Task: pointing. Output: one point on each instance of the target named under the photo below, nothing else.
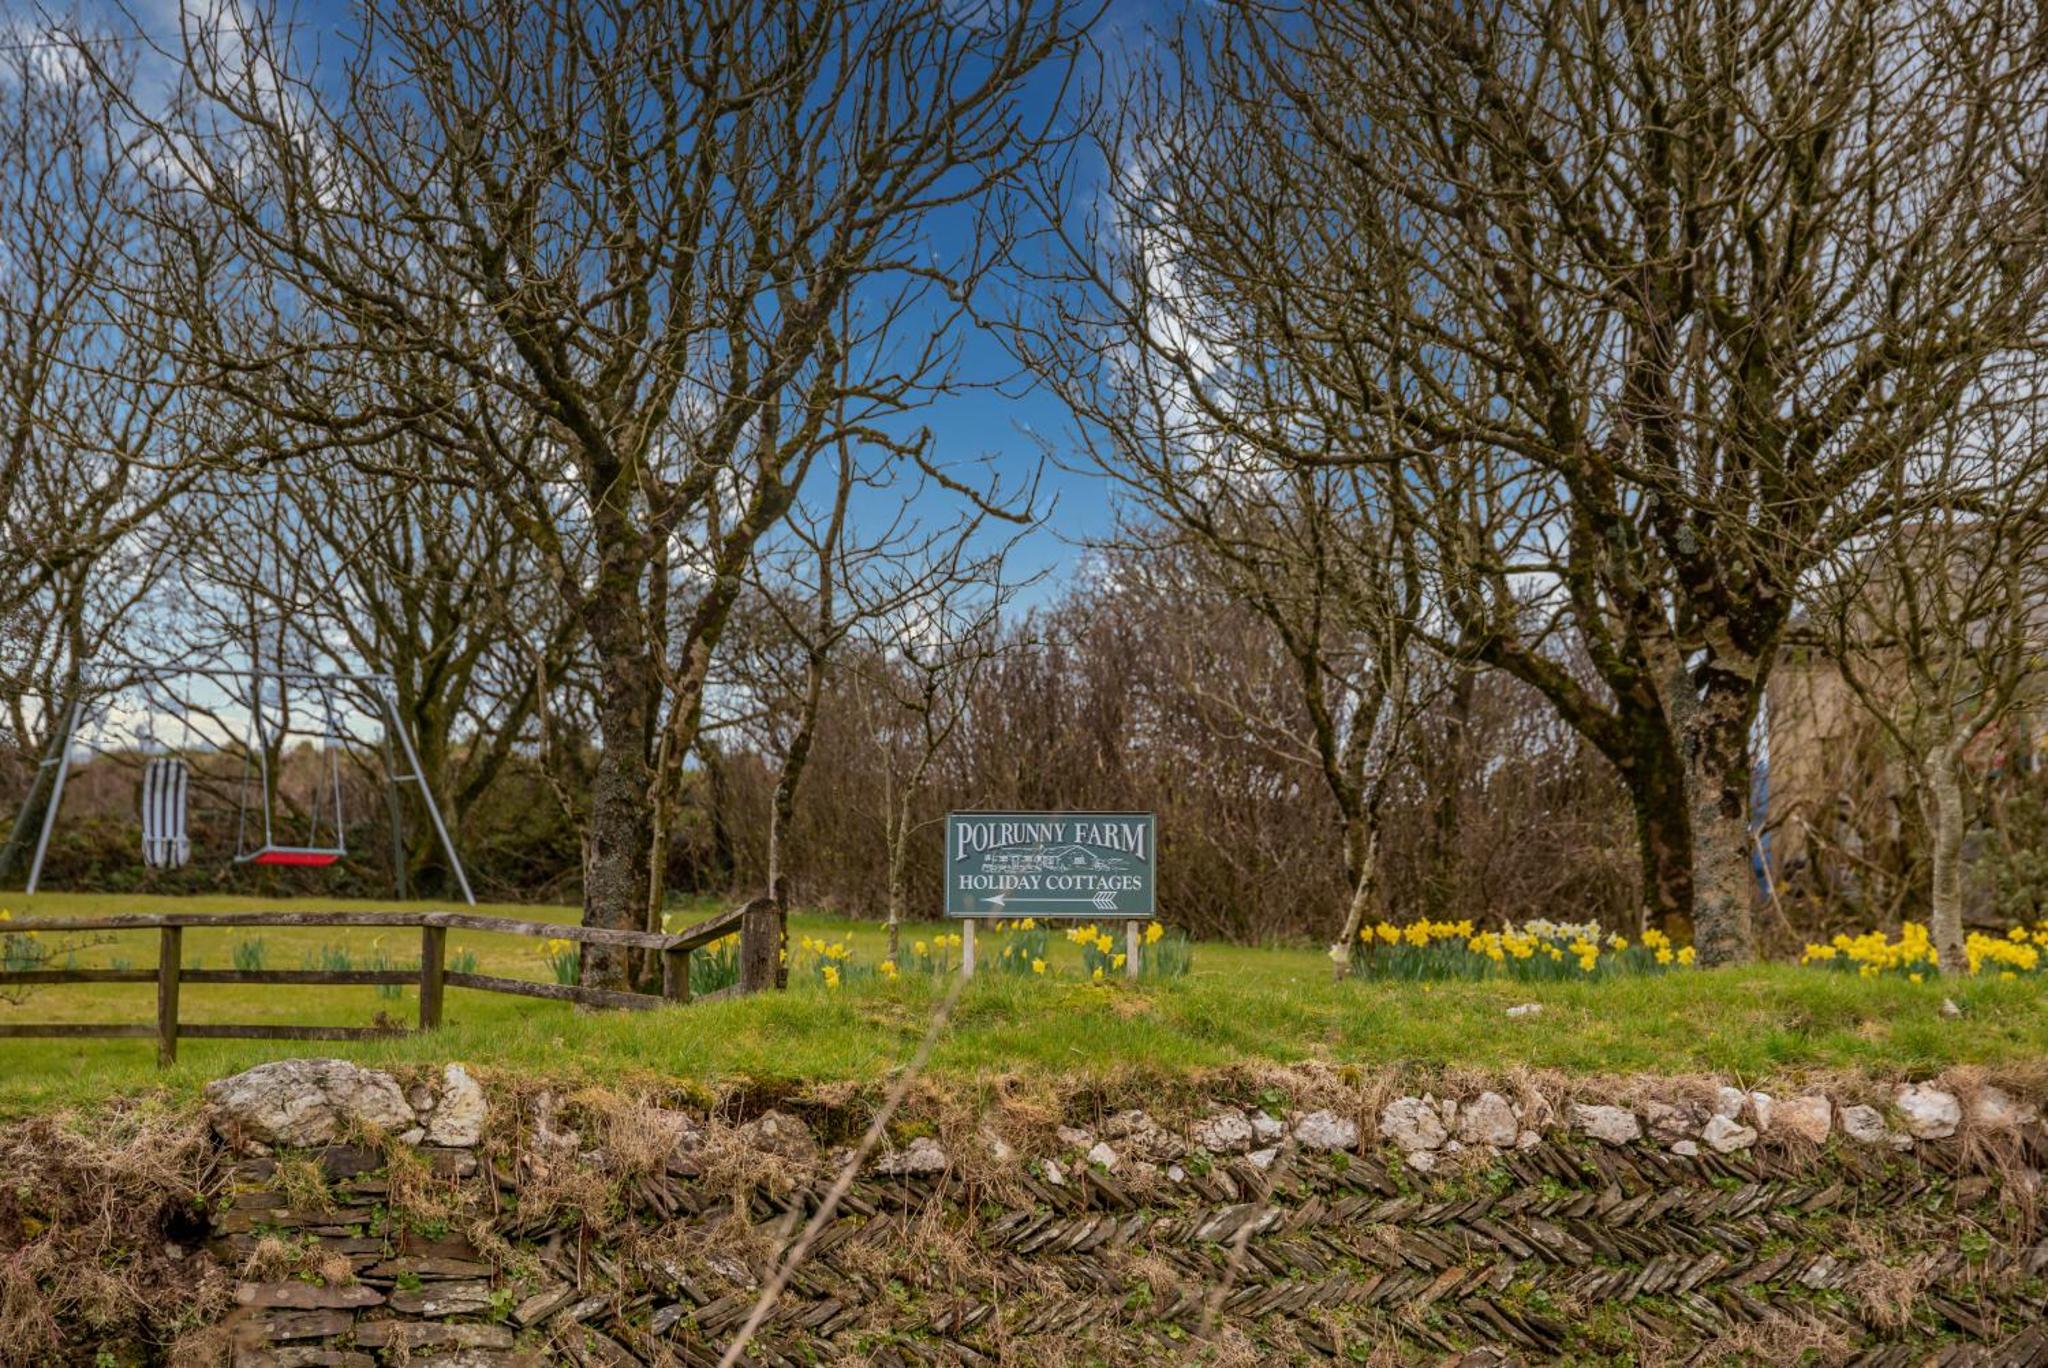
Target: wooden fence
(759, 925)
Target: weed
(249, 954)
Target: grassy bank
(1237, 1006)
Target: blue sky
(1015, 426)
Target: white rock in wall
(1615, 1125)
(1930, 1113)
(1674, 1120)
(1227, 1132)
(301, 1102)
(1488, 1119)
(1322, 1130)
(1994, 1109)
(1724, 1136)
(1141, 1137)
(1413, 1124)
(1865, 1125)
(1809, 1117)
(456, 1119)
(920, 1158)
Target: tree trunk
(899, 879)
(782, 810)
(1361, 857)
(1446, 860)
(615, 881)
(1946, 919)
(1656, 785)
(1724, 885)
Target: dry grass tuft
(99, 1228)
(1779, 1338)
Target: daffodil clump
(1912, 954)
(1102, 954)
(1022, 947)
(831, 962)
(939, 955)
(564, 958)
(1537, 949)
(1023, 943)
(715, 966)
(21, 951)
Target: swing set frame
(379, 687)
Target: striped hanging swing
(166, 843)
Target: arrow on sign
(1105, 900)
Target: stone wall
(1301, 1220)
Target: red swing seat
(303, 859)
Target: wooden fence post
(1134, 946)
(675, 974)
(760, 945)
(170, 951)
(433, 974)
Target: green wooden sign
(1051, 864)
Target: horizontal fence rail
(759, 924)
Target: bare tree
(827, 585)
(667, 245)
(924, 663)
(1322, 558)
(322, 565)
(1937, 619)
(97, 421)
(1640, 297)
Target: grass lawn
(1237, 1006)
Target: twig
(847, 1172)
(1212, 1306)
